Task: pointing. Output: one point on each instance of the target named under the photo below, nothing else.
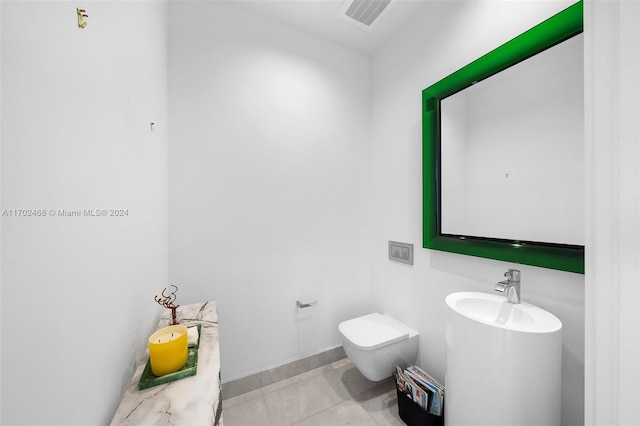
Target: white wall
(77, 292)
(612, 89)
(440, 40)
(268, 166)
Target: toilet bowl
(376, 344)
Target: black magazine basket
(413, 415)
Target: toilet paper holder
(306, 305)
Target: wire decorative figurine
(169, 303)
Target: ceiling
(318, 17)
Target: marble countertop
(193, 400)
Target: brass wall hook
(81, 15)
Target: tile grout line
(326, 409)
(264, 401)
(352, 398)
(292, 379)
(328, 368)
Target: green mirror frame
(554, 30)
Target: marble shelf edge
(188, 401)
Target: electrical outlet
(401, 252)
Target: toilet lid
(372, 331)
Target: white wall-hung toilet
(377, 343)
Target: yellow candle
(168, 350)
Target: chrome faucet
(511, 286)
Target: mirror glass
(512, 152)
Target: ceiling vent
(364, 14)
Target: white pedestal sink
(503, 362)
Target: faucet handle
(513, 275)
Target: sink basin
(504, 362)
(494, 310)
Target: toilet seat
(373, 331)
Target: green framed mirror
(440, 230)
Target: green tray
(148, 379)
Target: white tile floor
(332, 395)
